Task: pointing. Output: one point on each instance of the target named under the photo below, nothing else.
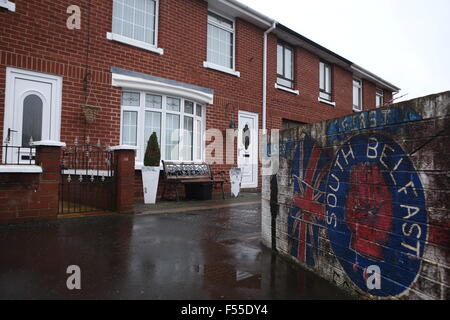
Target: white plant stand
(150, 180)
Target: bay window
(179, 124)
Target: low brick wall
(36, 196)
(363, 200)
(32, 196)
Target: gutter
(264, 106)
(247, 10)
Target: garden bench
(190, 173)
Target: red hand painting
(368, 212)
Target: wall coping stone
(20, 169)
(123, 147)
(48, 143)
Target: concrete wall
(366, 197)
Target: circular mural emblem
(375, 213)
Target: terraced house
(174, 67)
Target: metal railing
(13, 155)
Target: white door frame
(55, 104)
(255, 146)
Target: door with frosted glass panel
(28, 118)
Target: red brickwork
(124, 160)
(35, 38)
(25, 196)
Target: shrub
(152, 153)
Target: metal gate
(88, 181)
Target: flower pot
(150, 180)
(236, 180)
(90, 113)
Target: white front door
(32, 112)
(248, 148)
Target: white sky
(405, 42)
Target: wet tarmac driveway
(213, 254)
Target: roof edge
(269, 21)
(315, 44)
(236, 5)
(374, 77)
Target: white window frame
(11, 6)
(136, 43)
(381, 95)
(326, 66)
(141, 126)
(360, 87)
(210, 65)
(282, 76)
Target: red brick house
(163, 65)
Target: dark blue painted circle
(404, 245)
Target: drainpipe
(264, 124)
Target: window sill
(216, 67)
(356, 110)
(327, 102)
(11, 6)
(296, 92)
(20, 169)
(134, 43)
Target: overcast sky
(405, 42)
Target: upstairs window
(325, 81)
(135, 21)
(357, 95)
(379, 99)
(220, 41)
(285, 66)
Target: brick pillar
(48, 157)
(124, 157)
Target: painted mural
(308, 172)
(364, 200)
(369, 198)
(376, 213)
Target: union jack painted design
(309, 168)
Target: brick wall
(35, 38)
(364, 198)
(36, 196)
(30, 196)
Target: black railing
(13, 155)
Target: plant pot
(236, 180)
(150, 180)
(90, 113)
